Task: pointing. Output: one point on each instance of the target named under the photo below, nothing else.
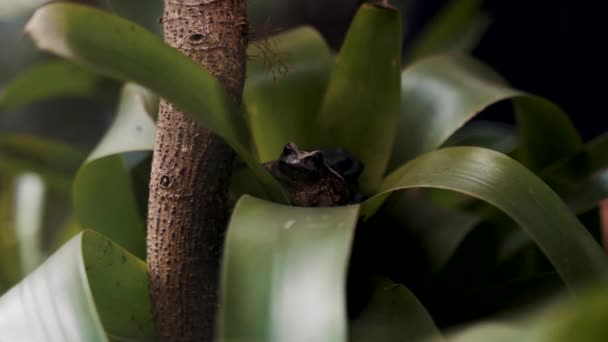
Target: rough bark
(191, 170)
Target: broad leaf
(393, 313)
(120, 49)
(441, 94)
(89, 290)
(49, 80)
(361, 106)
(457, 28)
(284, 274)
(507, 185)
(105, 198)
(285, 84)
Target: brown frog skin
(308, 180)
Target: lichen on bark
(190, 176)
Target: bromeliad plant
(286, 269)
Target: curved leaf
(120, 49)
(547, 134)
(105, 198)
(438, 230)
(284, 89)
(582, 180)
(487, 134)
(49, 80)
(507, 185)
(361, 106)
(393, 314)
(89, 290)
(440, 94)
(55, 162)
(284, 274)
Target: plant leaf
(505, 184)
(361, 106)
(440, 94)
(284, 89)
(55, 162)
(547, 134)
(49, 80)
(105, 198)
(120, 49)
(490, 331)
(457, 28)
(439, 230)
(487, 134)
(393, 314)
(89, 290)
(284, 275)
(580, 318)
(10, 268)
(582, 180)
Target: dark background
(552, 48)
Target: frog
(310, 180)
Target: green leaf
(284, 275)
(582, 180)
(510, 187)
(120, 49)
(105, 198)
(490, 331)
(89, 290)
(10, 267)
(286, 81)
(547, 134)
(49, 80)
(457, 28)
(439, 230)
(55, 162)
(492, 135)
(580, 318)
(440, 94)
(361, 106)
(393, 314)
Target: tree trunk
(190, 176)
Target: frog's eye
(290, 149)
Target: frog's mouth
(293, 167)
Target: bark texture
(190, 176)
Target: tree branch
(191, 171)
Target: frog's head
(299, 164)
